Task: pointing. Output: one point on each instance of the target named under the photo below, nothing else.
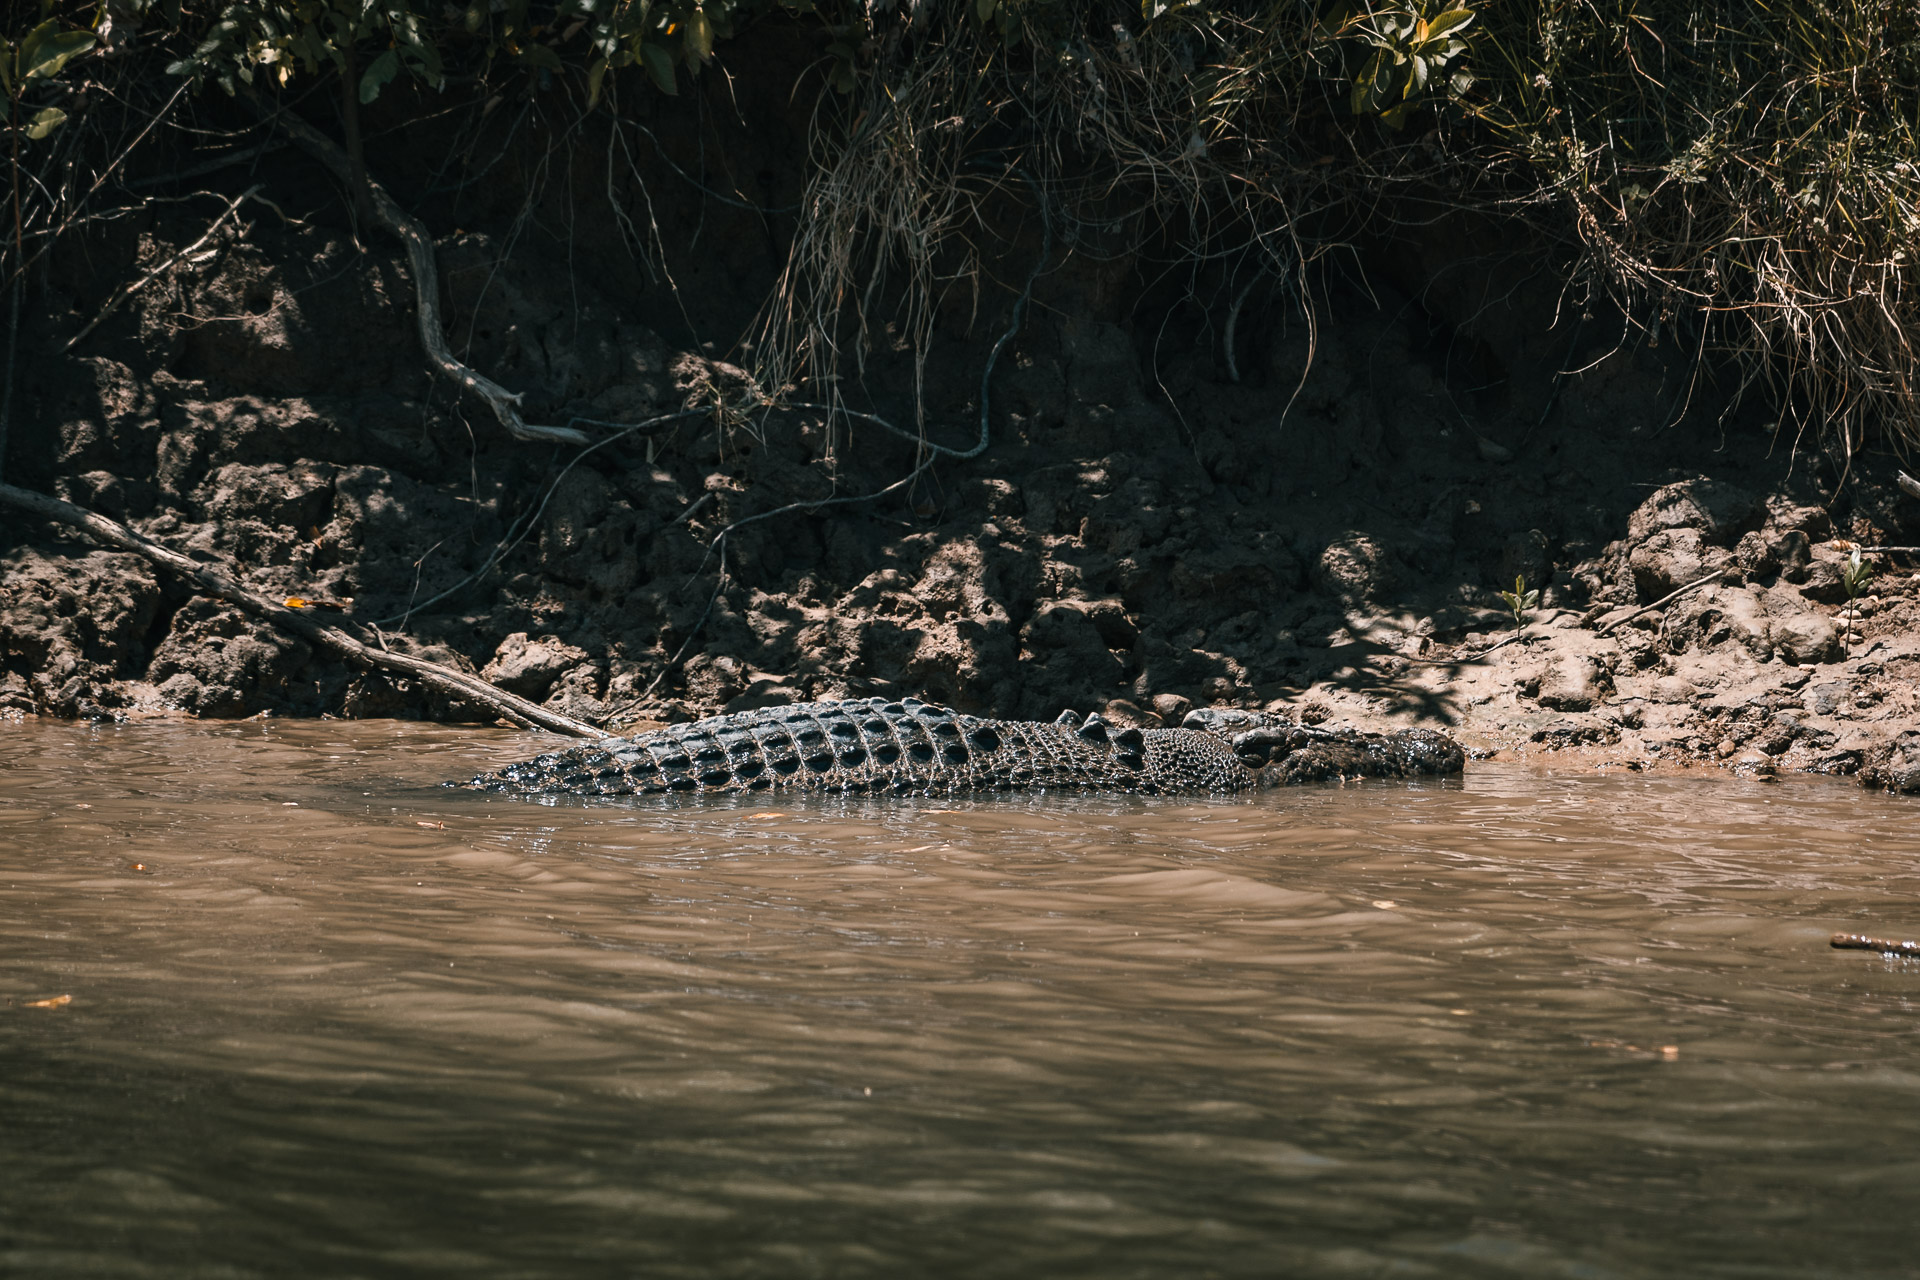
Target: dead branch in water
(455, 684)
(426, 278)
(1886, 946)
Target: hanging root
(426, 282)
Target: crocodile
(909, 747)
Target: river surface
(329, 1019)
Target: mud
(1319, 525)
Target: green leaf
(700, 35)
(595, 74)
(1363, 84)
(983, 9)
(379, 72)
(42, 58)
(659, 64)
(45, 122)
(1448, 23)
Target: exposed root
(426, 283)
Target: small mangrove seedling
(1855, 577)
(1520, 600)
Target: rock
(1671, 558)
(1798, 631)
(1756, 555)
(1824, 579)
(1893, 766)
(1573, 683)
(1753, 764)
(1569, 732)
(1793, 552)
(1172, 708)
(1354, 568)
(1719, 512)
(530, 667)
(1825, 699)
(218, 662)
(1742, 615)
(1129, 715)
(1672, 690)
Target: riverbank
(1302, 494)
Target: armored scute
(914, 748)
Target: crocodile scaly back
(881, 747)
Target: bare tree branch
(455, 684)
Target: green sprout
(1855, 577)
(1520, 600)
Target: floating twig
(1886, 946)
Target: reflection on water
(328, 1019)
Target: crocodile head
(1253, 735)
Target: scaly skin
(914, 748)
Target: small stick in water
(1861, 942)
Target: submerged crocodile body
(915, 748)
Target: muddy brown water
(327, 1019)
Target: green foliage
(1747, 173)
(1521, 601)
(1856, 575)
(251, 41)
(38, 56)
(1413, 48)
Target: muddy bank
(1318, 519)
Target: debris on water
(1886, 946)
(1385, 904)
(1665, 1052)
(51, 1002)
(422, 822)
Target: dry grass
(1744, 172)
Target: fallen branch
(456, 684)
(126, 291)
(1669, 597)
(426, 280)
(1886, 946)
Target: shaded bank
(1303, 494)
